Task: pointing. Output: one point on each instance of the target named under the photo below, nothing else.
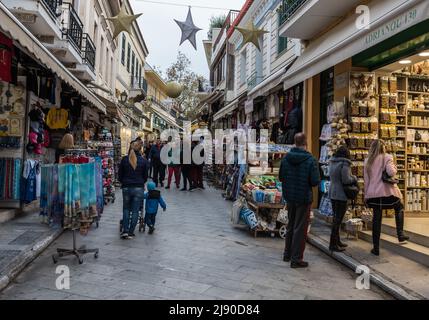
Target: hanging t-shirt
(6, 53)
(57, 118)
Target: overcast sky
(162, 34)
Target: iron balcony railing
(88, 51)
(72, 26)
(289, 8)
(53, 7)
(232, 15)
(157, 102)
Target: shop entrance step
(410, 250)
(410, 230)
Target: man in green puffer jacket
(299, 173)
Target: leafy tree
(181, 72)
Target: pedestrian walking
(193, 170)
(382, 192)
(173, 168)
(147, 149)
(133, 176)
(186, 171)
(299, 173)
(340, 176)
(153, 200)
(157, 165)
(199, 170)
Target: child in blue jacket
(153, 201)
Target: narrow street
(194, 254)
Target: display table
(274, 209)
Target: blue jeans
(149, 219)
(132, 202)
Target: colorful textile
(72, 194)
(10, 182)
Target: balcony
(138, 88)
(42, 17)
(232, 15)
(86, 70)
(72, 26)
(88, 51)
(68, 49)
(305, 19)
(253, 81)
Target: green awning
(404, 44)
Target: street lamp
(124, 97)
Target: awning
(345, 40)
(215, 95)
(229, 108)
(164, 115)
(114, 109)
(17, 31)
(270, 83)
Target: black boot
(399, 218)
(342, 244)
(334, 244)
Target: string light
(183, 5)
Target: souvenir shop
(384, 94)
(46, 156)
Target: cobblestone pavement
(194, 254)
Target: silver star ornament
(189, 30)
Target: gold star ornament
(251, 34)
(123, 22)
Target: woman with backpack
(341, 180)
(382, 192)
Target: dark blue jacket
(129, 177)
(299, 173)
(155, 152)
(153, 201)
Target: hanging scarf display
(10, 171)
(72, 194)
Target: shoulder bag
(351, 190)
(385, 176)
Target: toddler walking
(153, 201)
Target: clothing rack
(78, 253)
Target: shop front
(45, 112)
(368, 84)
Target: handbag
(387, 178)
(351, 190)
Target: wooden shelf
(418, 154)
(418, 127)
(417, 170)
(418, 110)
(402, 91)
(418, 142)
(409, 187)
(419, 93)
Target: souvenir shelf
(106, 151)
(413, 133)
(362, 115)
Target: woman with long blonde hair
(382, 192)
(133, 177)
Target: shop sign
(392, 27)
(248, 106)
(27, 18)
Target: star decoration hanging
(123, 22)
(189, 30)
(251, 34)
